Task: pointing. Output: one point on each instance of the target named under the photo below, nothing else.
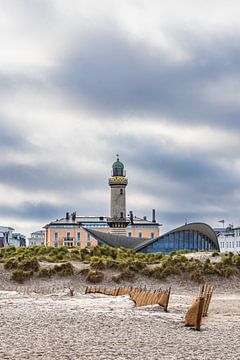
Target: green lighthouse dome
(118, 164)
(118, 168)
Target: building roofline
(199, 226)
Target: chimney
(131, 217)
(144, 218)
(153, 215)
(74, 216)
(67, 216)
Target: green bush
(11, 263)
(65, 269)
(45, 272)
(236, 260)
(29, 264)
(228, 271)
(157, 272)
(20, 275)
(227, 259)
(97, 263)
(147, 272)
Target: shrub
(137, 265)
(170, 270)
(11, 263)
(157, 272)
(228, 271)
(215, 253)
(20, 275)
(29, 264)
(147, 272)
(95, 276)
(65, 269)
(227, 259)
(97, 264)
(45, 272)
(111, 264)
(236, 260)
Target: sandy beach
(41, 320)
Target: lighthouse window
(121, 191)
(121, 215)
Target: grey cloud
(114, 75)
(46, 177)
(43, 212)
(205, 189)
(33, 211)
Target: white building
(5, 235)
(37, 238)
(229, 240)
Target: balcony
(68, 239)
(117, 222)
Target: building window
(55, 244)
(88, 239)
(68, 235)
(152, 235)
(68, 243)
(129, 234)
(140, 235)
(78, 236)
(56, 236)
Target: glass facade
(180, 240)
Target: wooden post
(199, 313)
(167, 300)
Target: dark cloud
(43, 212)
(47, 177)
(33, 211)
(116, 76)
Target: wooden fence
(199, 308)
(140, 296)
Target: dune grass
(124, 261)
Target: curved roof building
(192, 237)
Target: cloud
(82, 83)
(116, 75)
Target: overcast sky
(156, 81)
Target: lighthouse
(118, 183)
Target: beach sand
(40, 320)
